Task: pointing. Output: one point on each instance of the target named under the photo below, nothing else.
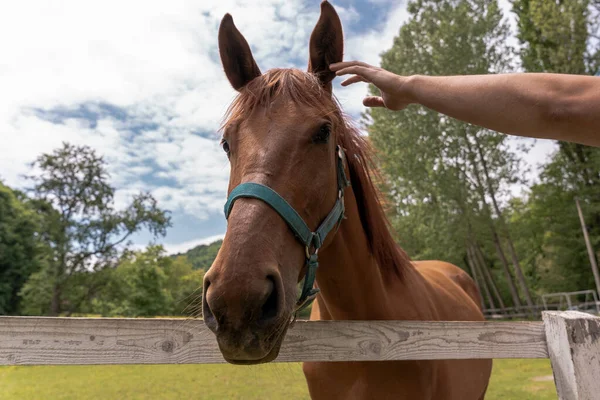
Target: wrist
(409, 86)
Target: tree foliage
(149, 283)
(445, 177)
(202, 256)
(86, 232)
(560, 37)
(22, 249)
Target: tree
(85, 230)
(561, 37)
(445, 177)
(149, 283)
(202, 256)
(558, 36)
(22, 250)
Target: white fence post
(573, 341)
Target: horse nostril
(207, 313)
(270, 308)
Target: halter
(311, 240)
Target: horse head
(281, 135)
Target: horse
(303, 193)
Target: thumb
(373, 101)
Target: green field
(512, 379)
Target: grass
(522, 380)
(511, 379)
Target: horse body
(443, 379)
(427, 290)
(286, 135)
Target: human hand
(394, 89)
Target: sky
(141, 82)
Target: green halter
(311, 240)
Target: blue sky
(141, 82)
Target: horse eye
(225, 146)
(322, 136)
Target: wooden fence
(570, 339)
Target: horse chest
(360, 381)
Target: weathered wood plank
(60, 341)
(574, 350)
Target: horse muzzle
(250, 322)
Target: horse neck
(352, 284)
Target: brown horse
(282, 131)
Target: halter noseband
(311, 240)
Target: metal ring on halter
(307, 252)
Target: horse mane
(304, 88)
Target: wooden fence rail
(25, 340)
(571, 339)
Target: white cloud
(378, 2)
(156, 60)
(368, 46)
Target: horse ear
(326, 44)
(236, 55)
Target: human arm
(539, 105)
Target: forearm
(552, 106)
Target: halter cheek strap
(311, 240)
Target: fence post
(573, 341)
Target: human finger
(355, 70)
(373, 101)
(353, 79)
(344, 64)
